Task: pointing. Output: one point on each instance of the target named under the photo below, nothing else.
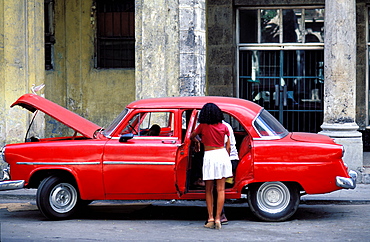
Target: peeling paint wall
(2, 81)
(96, 94)
(22, 56)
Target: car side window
(235, 124)
(185, 118)
(151, 124)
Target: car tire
(273, 201)
(57, 198)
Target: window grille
(115, 34)
(49, 33)
(281, 59)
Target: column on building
(21, 63)
(192, 63)
(22, 66)
(340, 80)
(170, 48)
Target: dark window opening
(115, 33)
(49, 33)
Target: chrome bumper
(347, 183)
(11, 185)
(6, 184)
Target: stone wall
(221, 55)
(362, 102)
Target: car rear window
(268, 126)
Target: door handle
(277, 95)
(168, 142)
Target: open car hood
(34, 102)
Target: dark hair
(210, 114)
(155, 130)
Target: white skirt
(216, 164)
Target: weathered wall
(170, 48)
(221, 76)
(2, 81)
(193, 45)
(100, 94)
(362, 87)
(157, 48)
(97, 94)
(22, 56)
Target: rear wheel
(273, 201)
(57, 198)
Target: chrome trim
(267, 138)
(2, 154)
(6, 174)
(137, 163)
(11, 185)
(262, 137)
(59, 163)
(151, 137)
(347, 183)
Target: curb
(359, 195)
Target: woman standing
(216, 161)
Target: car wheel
(57, 198)
(273, 201)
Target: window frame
(49, 34)
(269, 46)
(126, 60)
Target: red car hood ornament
(33, 102)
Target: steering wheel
(133, 129)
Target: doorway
(287, 83)
(281, 63)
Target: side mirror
(125, 137)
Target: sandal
(218, 225)
(210, 225)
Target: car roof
(226, 104)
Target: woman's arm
(194, 137)
(228, 147)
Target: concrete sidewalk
(361, 194)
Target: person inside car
(154, 130)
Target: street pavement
(361, 194)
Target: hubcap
(63, 198)
(273, 197)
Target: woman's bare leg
(220, 198)
(209, 199)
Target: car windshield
(269, 127)
(108, 131)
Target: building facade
(306, 62)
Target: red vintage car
(125, 161)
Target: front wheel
(57, 198)
(273, 201)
